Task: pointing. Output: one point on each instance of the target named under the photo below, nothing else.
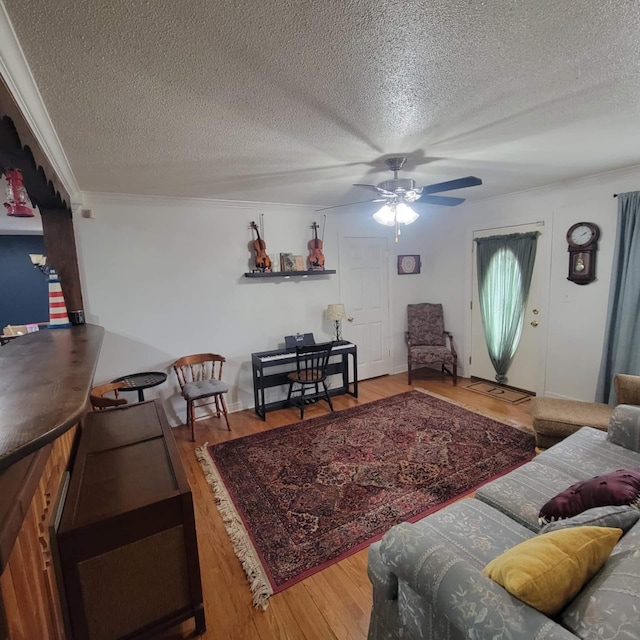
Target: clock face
(582, 234)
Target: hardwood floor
(332, 604)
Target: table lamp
(39, 262)
(336, 312)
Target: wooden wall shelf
(289, 274)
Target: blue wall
(24, 291)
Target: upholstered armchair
(427, 339)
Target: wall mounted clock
(408, 264)
(582, 239)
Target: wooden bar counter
(45, 379)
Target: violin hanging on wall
(263, 262)
(316, 257)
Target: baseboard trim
(560, 397)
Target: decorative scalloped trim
(242, 545)
(15, 71)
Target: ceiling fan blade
(450, 185)
(348, 204)
(372, 187)
(441, 200)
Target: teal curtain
(621, 353)
(505, 266)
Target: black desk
(262, 379)
(141, 381)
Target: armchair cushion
(431, 355)
(547, 571)
(203, 389)
(425, 324)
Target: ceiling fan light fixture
(385, 215)
(413, 195)
(405, 214)
(395, 213)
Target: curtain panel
(505, 267)
(621, 352)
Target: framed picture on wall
(408, 264)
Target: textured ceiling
(294, 100)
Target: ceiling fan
(398, 194)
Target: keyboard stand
(286, 358)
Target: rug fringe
(242, 545)
(487, 414)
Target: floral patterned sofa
(427, 577)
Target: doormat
(512, 396)
(301, 497)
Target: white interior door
(528, 365)
(364, 277)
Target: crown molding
(621, 172)
(172, 201)
(17, 75)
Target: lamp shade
(395, 213)
(37, 259)
(385, 215)
(405, 214)
(335, 312)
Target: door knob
(349, 319)
(534, 323)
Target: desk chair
(99, 399)
(311, 371)
(200, 376)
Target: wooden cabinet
(28, 583)
(126, 543)
(45, 379)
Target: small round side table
(141, 381)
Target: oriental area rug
(298, 498)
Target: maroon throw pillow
(620, 487)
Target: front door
(527, 368)
(365, 294)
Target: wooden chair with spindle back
(311, 371)
(200, 377)
(99, 400)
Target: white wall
(164, 277)
(576, 315)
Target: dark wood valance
(19, 149)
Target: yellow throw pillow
(547, 571)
